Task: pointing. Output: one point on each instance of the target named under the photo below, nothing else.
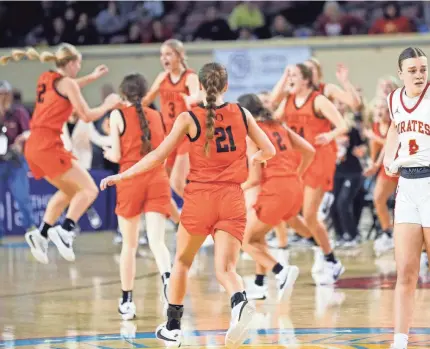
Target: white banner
(255, 70)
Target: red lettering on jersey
(420, 127)
(409, 126)
(427, 128)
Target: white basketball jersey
(411, 117)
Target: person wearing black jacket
(347, 183)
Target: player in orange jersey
(213, 200)
(313, 116)
(135, 131)
(58, 93)
(178, 88)
(281, 189)
(348, 95)
(385, 185)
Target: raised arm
(153, 91)
(158, 155)
(349, 94)
(95, 75)
(193, 85)
(71, 89)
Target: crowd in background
(117, 22)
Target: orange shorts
(148, 192)
(181, 149)
(209, 207)
(280, 199)
(47, 161)
(320, 173)
(383, 175)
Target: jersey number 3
(221, 135)
(41, 89)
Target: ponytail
(65, 54)
(211, 94)
(146, 132)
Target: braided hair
(134, 87)
(213, 77)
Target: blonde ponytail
(61, 57)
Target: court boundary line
(196, 333)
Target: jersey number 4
(221, 135)
(413, 147)
(41, 89)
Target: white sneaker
(127, 310)
(63, 239)
(117, 240)
(330, 274)
(257, 293)
(286, 279)
(38, 245)
(94, 218)
(383, 244)
(171, 338)
(393, 347)
(241, 316)
(318, 266)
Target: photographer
(14, 123)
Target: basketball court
(74, 305)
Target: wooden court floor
(74, 305)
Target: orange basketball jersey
(321, 87)
(304, 120)
(285, 161)
(52, 109)
(130, 139)
(377, 129)
(171, 100)
(226, 161)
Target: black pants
(346, 188)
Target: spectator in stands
(58, 35)
(85, 31)
(213, 27)
(110, 22)
(14, 122)
(333, 22)
(281, 28)
(246, 34)
(134, 34)
(392, 21)
(246, 15)
(160, 33)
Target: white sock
(400, 341)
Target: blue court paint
(336, 332)
(14, 245)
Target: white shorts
(413, 201)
